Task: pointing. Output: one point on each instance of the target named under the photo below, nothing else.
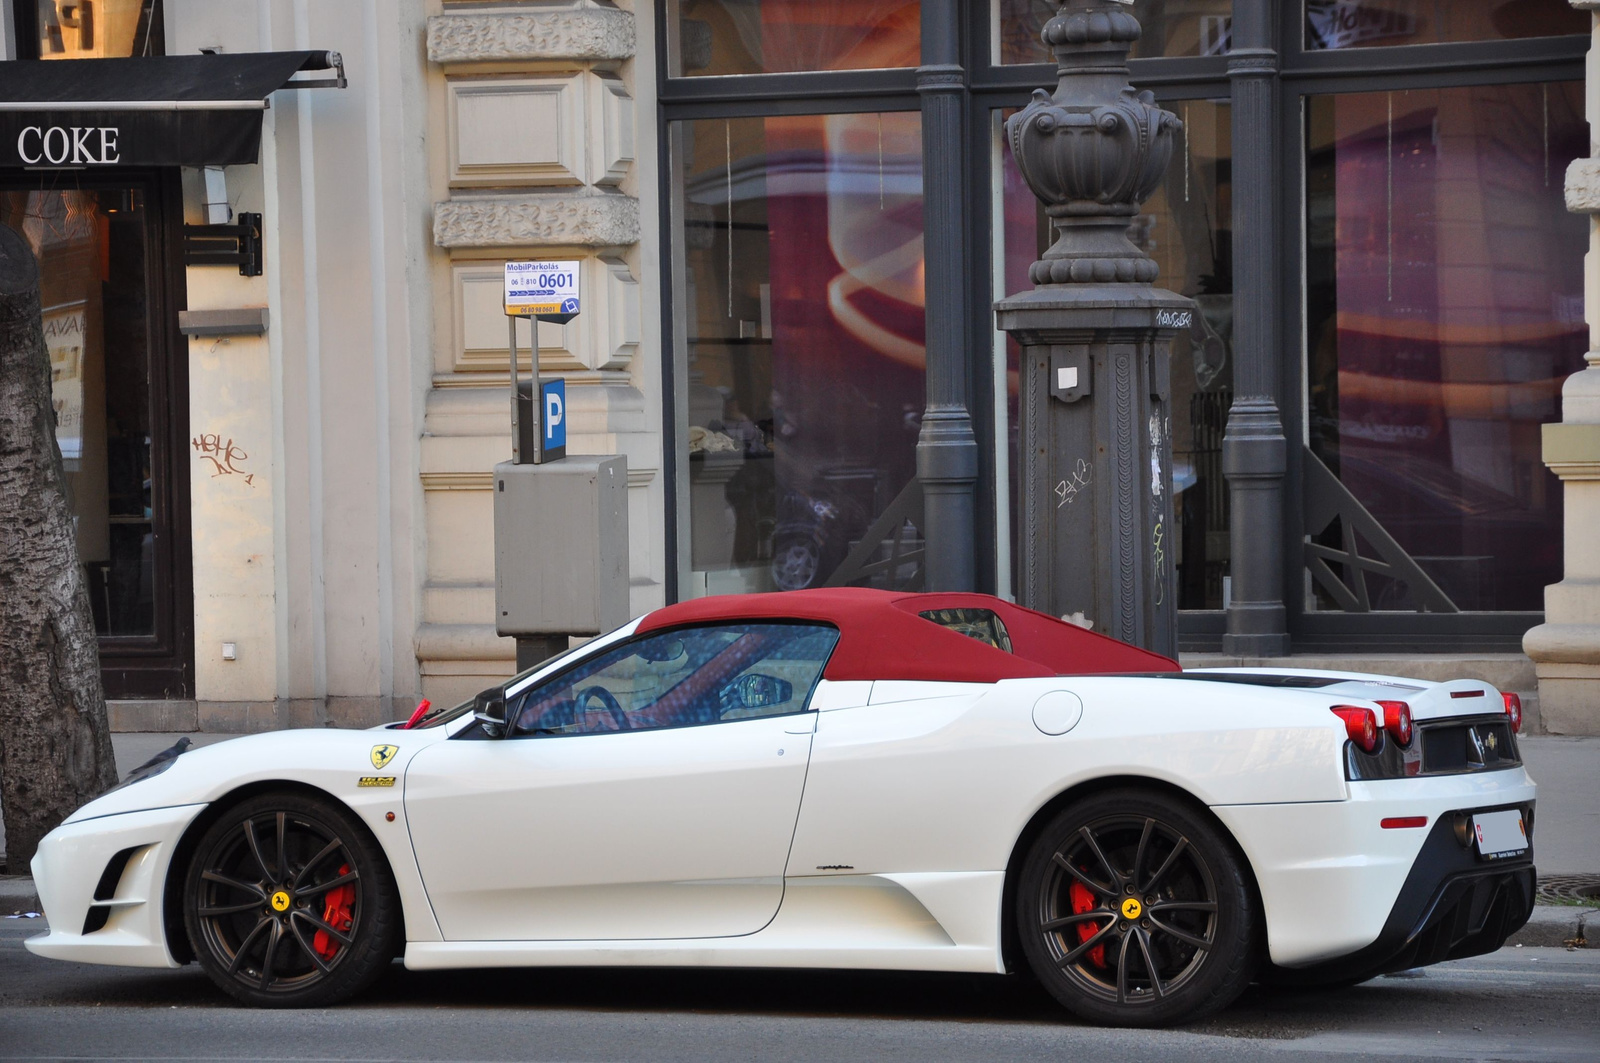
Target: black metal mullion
(808, 85)
(981, 271)
(1144, 73)
(1473, 57)
(1254, 451)
(947, 449)
(1323, 85)
(737, 108)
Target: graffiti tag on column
(1082, 477)
(226, 457)
(1160, 557)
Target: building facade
(793, 218)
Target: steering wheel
(608, 700)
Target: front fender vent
(106, 890)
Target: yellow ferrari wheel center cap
(1131, 908)
(280, 901)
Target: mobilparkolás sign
(544, 290)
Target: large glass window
(98, 29)
(1187, 227)
(92, 253)
(1171, 27)
(801, 294)
(784, 36)
(682, 678)
(1444, 308)
(1384, 23)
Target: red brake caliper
(336, 913)
(1083, 901)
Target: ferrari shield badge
(382, 755)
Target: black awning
(177, 110)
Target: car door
(648, 791)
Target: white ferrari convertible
(832, 779)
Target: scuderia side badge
(375, 780)
(382, 755)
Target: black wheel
(289, 903)
(1133, 910)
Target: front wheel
(289, 903)
(1133, 910)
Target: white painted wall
(312, 568)
(351, 560)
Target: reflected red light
(1402, 822)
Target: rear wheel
(1133, 910)
(289, 903)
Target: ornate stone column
(1096, 477)
(1566, 647)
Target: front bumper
(101, 916)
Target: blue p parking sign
(553, 397)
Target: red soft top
(882, 637)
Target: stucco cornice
(584, 33)
(538, 220)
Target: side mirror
(489, 709)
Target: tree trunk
(55, 743)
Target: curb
(1552, 926)
(18, 895)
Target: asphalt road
(1519, 1004)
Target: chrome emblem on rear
(1475, 755)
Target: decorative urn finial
(1094, 150)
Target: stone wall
(1566, 648)
(537, 140)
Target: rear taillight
(1397, 721)
(1514, 709)
(1360, 724)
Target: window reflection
(785, 36)
(803, 304)
(1171, 27)
(1187, 227)
(99, 29)
(91, 251)
(1444, 310)
(1382, 23)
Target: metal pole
(1254, 451)
(947, 449)
(516, 405)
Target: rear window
(981, 624)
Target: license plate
(1500, 834)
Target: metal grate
(1570, 888)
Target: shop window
(1187, 227)
(95, 326)
(799, 288)
(707, 37)
(1444, 309)
(1385, 23)
(95, 29)
(1171, 27)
